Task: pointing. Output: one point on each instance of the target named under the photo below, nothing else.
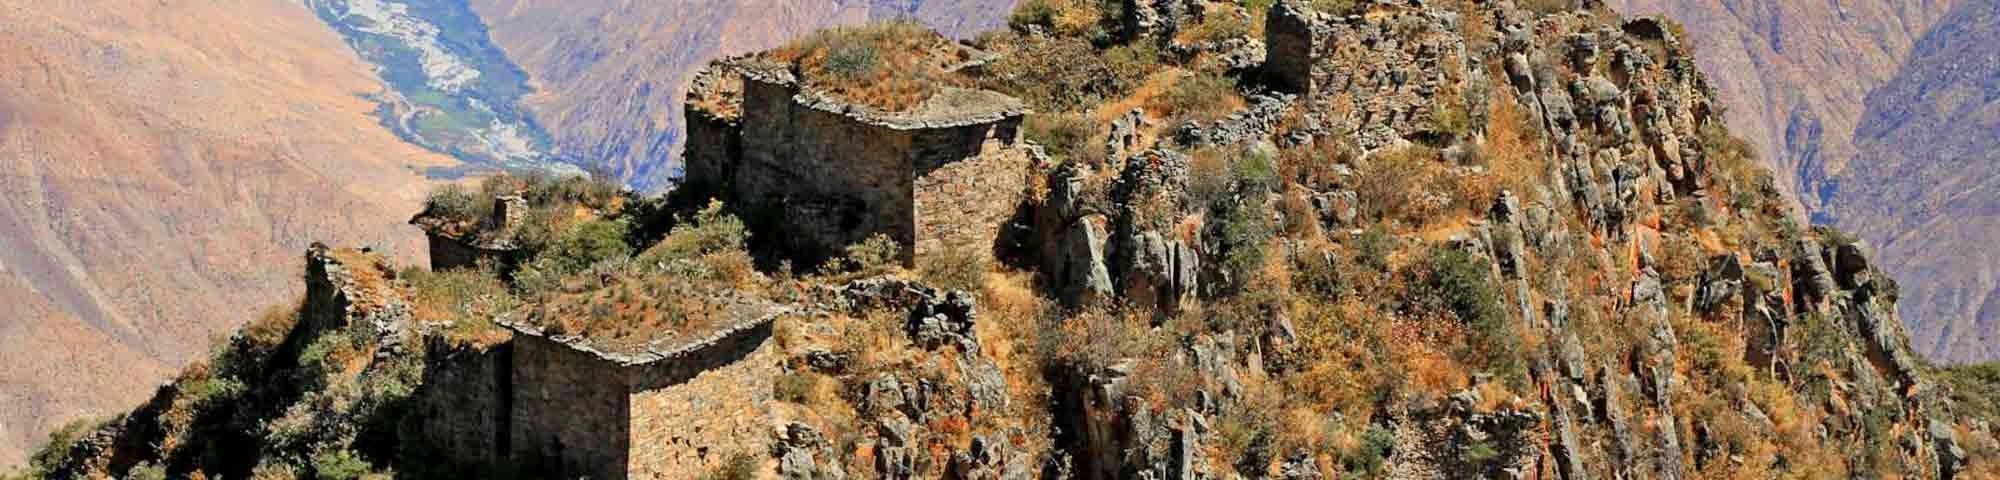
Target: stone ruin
(564, 405)
(1381, 74)
(455, 244)
(817, 173)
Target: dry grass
(1199, 97)
(892, 65)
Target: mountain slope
(162, 164)
(1794, 74)
(610, 74)
(1927, 188)
(1844, 102)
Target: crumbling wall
(570, 411)
(693, 410)
(348, 286)
(714, 142)
(448, 253)
(465, 403)
(1293, 34)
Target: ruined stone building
(565, 405)
(455, 243)
(818, 173)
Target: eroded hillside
(1925, 193)
(1182, 240)
(163, 164)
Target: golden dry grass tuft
(893, 65)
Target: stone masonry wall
(691, 414)
(1292, 32)
(465, 402)
(714, 145)
(449, 253)
(966, 204)
(815, 174)
(822, 180)
(570, 415)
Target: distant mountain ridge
(1927, 188)
(161, 165)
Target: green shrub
(1461, 284)
(1478, 452)
(1316, 273)
(710, 231)
(339, 464)
(853, 61)
(580, 247)
(1374, 247)
(1255, 173)
(877, 255)
(1242, 234)
(1068, 74)
(1033, 13)
(147, 471)
(1372, 453)
(452, 202)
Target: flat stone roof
(949, 107)
(751, 314)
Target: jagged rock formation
(1826, 93)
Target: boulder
(1085, 280)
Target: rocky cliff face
(159, 160)
(1819, 88)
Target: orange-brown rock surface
(161, 164)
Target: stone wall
(689, 414)
(1292, 33)
(815, 174)
(714, 128)
(466, 402)
(348, 286)
(817, 179)
(966, 204)
(449, 253)
(571, 411)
